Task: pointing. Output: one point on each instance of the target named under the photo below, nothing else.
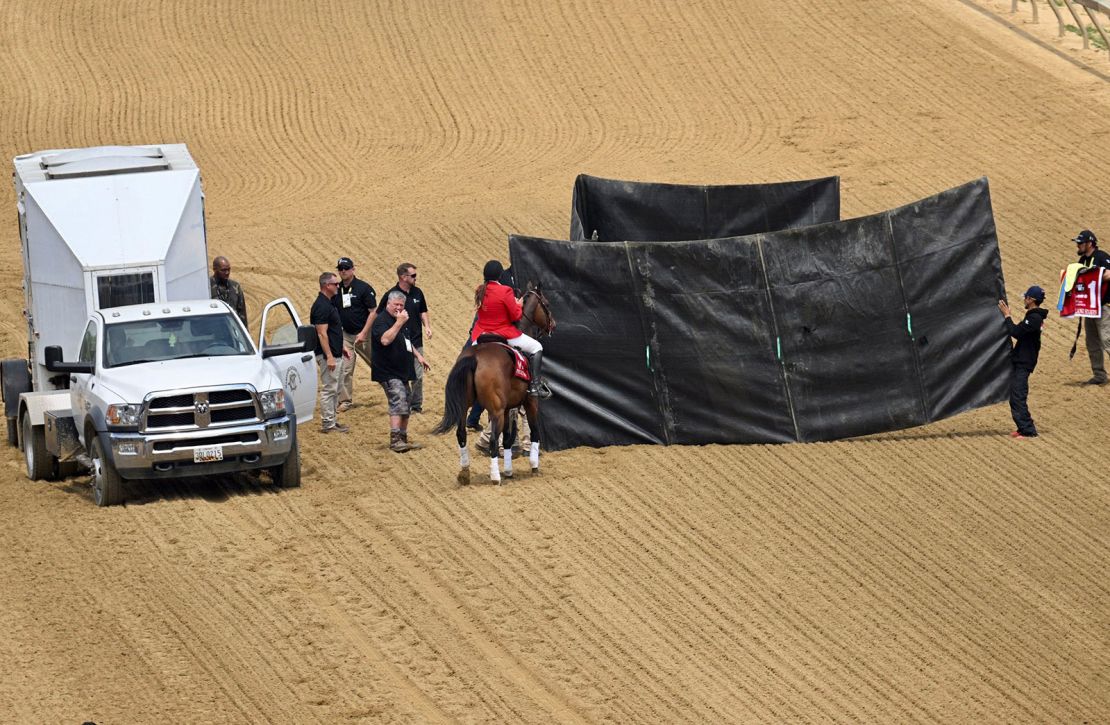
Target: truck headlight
(273, 403)
(123, 414)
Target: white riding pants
(527, 345)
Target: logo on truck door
(292, 379)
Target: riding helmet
(492, 271)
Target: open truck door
(282, 342)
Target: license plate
(208, 454)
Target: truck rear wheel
(13, 432)
(107, 484)
(40, 464)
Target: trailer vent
(105, 166)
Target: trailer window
(118, 290)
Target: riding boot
(536, 388)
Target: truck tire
(107, 484)
(288, 474)
(13, 433)
(40, 464)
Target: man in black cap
(418, 325)
(1023, 358)
(1097, 329)
(357, 304)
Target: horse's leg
(532, 411)
(496, 421)
(464, 454)
(509, 441)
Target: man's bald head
(221, 268)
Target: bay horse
(484, 373)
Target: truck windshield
(150, 340)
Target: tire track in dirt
(930, 575)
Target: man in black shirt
(357, 304)
(329, 351)
(1023, 358)
(392, 353)
(419, 324)
(1097, 329)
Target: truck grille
(201, 409)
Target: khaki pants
(329, 390)
(1098, 342)
(347, 379)
(417, 399)
(523, 433)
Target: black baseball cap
(1086, 236)
(345, 263)
(1036, 293)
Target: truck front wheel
(40, 464)
(288, 474)
(107, 485)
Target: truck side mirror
(54, 362)
(306, 335)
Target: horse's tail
(459, 382)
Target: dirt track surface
(945, 573)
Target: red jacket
(498, 312)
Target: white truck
(161, 382)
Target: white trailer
(121, 229)
(104, 227)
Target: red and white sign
(1082, 300)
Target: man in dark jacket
(1097, 329)
(1023, 358)
(223, 287)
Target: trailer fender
(15, 379)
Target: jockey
(498, 309)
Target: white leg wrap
(464, 457)
(508, 461)
(534, 455)
(494, 470)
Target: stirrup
(539, 389)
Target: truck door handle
(73, 378)
(306, 358)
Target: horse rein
(542, 302)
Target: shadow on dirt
(213, 489)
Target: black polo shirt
(324, 313)
(356, 311)
(416, 303)
(392, 361)
(1099, 259)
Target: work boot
(536, 388)
(405, 440)
(397, 442)
(1095, 381)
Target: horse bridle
(542, 302)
